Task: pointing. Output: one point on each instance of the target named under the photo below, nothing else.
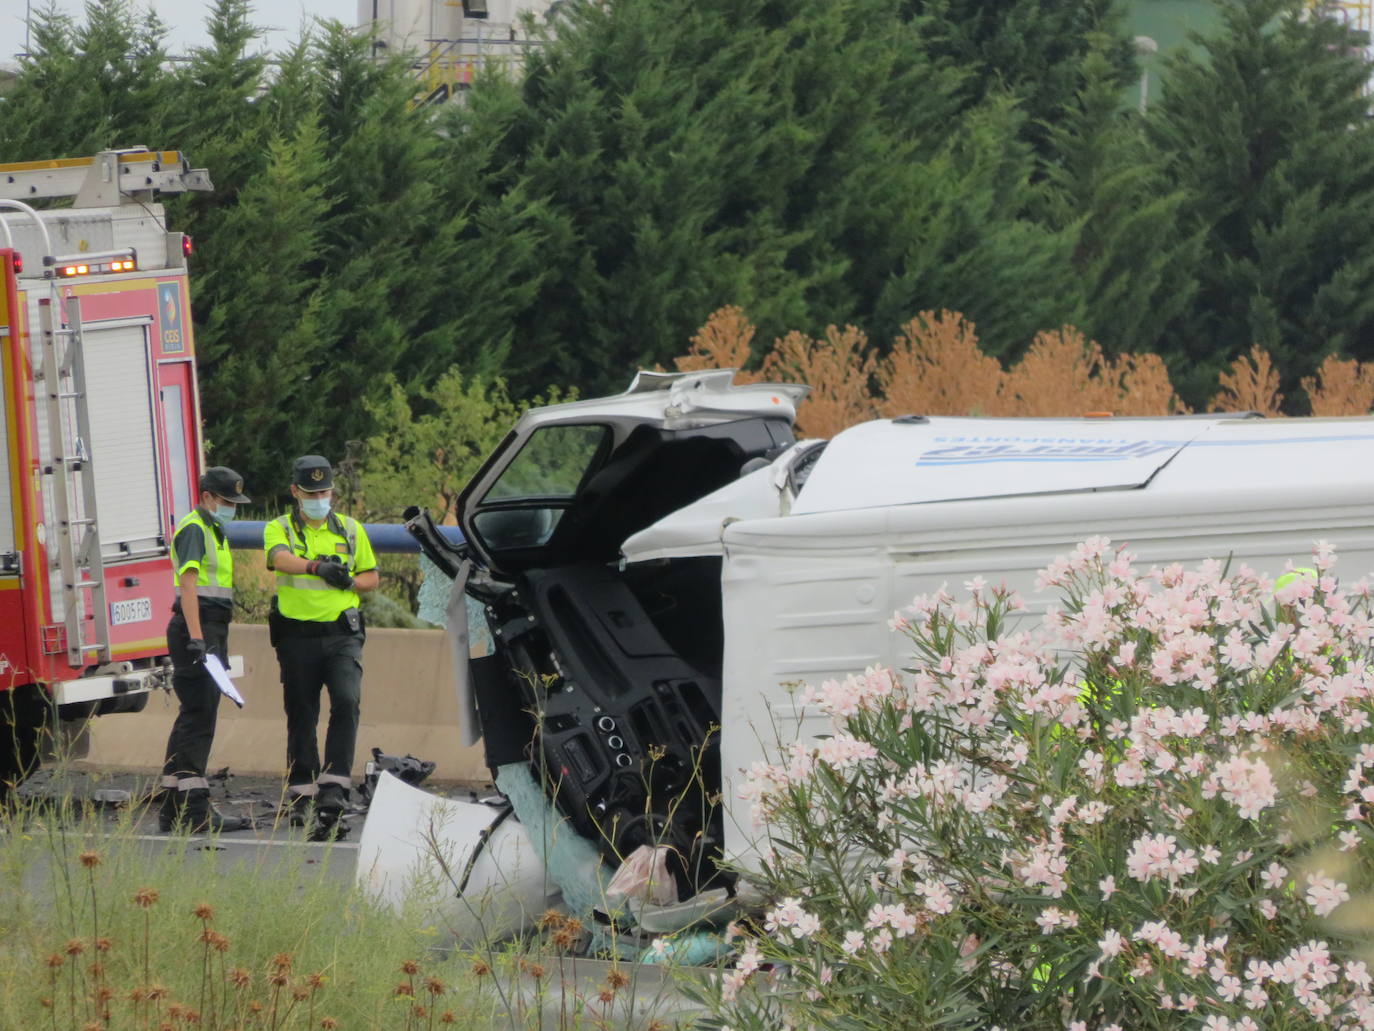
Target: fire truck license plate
(133, 610)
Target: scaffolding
(452, 41)
(1358, 17)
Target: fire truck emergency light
(17, 262)
(91, 264)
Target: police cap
(223, 482)
(312, 472)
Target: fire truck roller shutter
(124, 443)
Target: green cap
(312, 472)
(224, 482)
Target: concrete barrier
(408, 706)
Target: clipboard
(222, 681)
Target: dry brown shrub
(1252, 385)
(1143, 386)
(936, 368)
(1341, 387)
(1065, 374)
(722, 343)
(1059, 375)
(838, 369)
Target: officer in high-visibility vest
(323, 561)
(1292, 576)
(199, 627)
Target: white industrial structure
(1358, 17)
(451, 39)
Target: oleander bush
(1149, 807)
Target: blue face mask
(315, 508)
(224, 513)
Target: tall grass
(104, 928)
(101, 927)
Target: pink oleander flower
(939, 899)
(1151, 856)
(1273, 876)
(1111, 944)
(1248, 784)
(1324, 893)
(843, 750)
(1052, 918)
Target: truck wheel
(23, 716)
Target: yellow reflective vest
(305, 596)
(216, 567)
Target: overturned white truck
(659, 569)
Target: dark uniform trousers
(188, 746)
(310, 660)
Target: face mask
(224, 513)
(315, 508)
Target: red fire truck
(100, 439)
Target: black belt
(285, 626)
(208, 613)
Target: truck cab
(607, 677)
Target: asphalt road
(109, 796)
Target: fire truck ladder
(77, 548)
(109, 179)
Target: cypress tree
(87, 86)
(1031, 49)
(386, 238)
(806, 160)
(1136, 259)
(261, 343)
(1266, 129)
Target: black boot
(202, 817)
(329, 824)
(330, 802)
(170, 812)
(298, 810)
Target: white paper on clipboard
(221, 676)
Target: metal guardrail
(386, 538)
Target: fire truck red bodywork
(32, 642)
(100, 449)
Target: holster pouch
(353, 619)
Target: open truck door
(599, 704)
